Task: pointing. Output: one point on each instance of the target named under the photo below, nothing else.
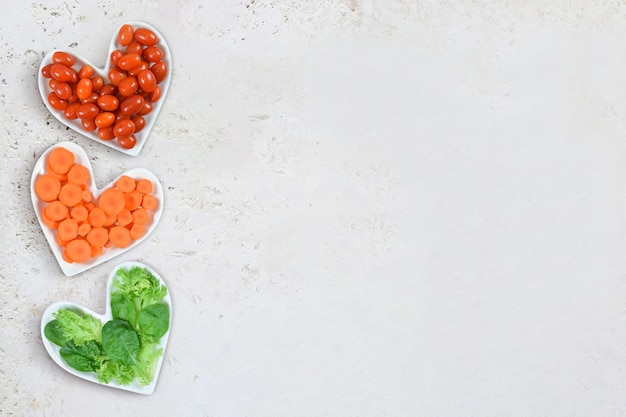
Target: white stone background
(373, 208)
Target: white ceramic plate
(71, 269)
(150, 118)
(53, 350)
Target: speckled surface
(373, 208)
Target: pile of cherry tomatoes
(114, 108)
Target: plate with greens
(123, 348)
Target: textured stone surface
(373, 208)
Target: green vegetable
(120, 341)
(54, 333)
(78, 326)
(81, 357)
(127, 346)
(154, 320)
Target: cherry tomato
(73, 98)
(60, 72)
(128, 86)
(93, 98)
(87, 111)
(116, 76)
(63, 58)
(108, 89)
(155, 94)
(85, 72)
(147, 80)
(106, 133)
(108, 102)
(70, 111)
(134, 48)
(88, 124)
(53, 83)
(127, 142)
(56, 102)
(116, 55)
(144, 65)
(96, 83)
(146, 109)
(45, 71)
(146, 37)
(139, 122)
(63, 90)
(105, 119)
(74, 75)
(159, 70)
(125, 35)
(131, 105)
(129, 61)
(84, 88)
(123, 128)
(152, 54)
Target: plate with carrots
(83, 225)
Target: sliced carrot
(50, 171)
(87, 196)
(68, 229)
(140, 216)
(52, 224)
(149, 202)
(96, 217)
(144, 186)
(61, 160)
(83, 229)
(70, 194)
(96, 251)
(61, 242)
(132, 200)
(137, 231)
(65, 258)
(119, 236)
(98, 236)
(89, 206)
(110, 219)
(79, 213)
(56, 211)
(78, 250)
(111, 201)
(47, 187)
(124, 218)
(125, 184)
(78, 174)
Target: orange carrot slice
(60, 160)
(47, 187)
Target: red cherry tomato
(116, 55)
(105, 119)
(155, 95)
(63, 58)
(88, 124)
(152, 54)
(146, 37)
(127, 142)
(125, 35)
(129, 61)
(106, 133)
(147, 80)
(70, 111)
(61, 72)
(108, 102)
(87, 111)
(116, 76)
(134, 48)
(84, 88)
(146, 109)
(56, 102)
(63, 90)
(159, 70)
(131, 105)
(96, 83)
(128, 86)
(45, 71)
(85, 72)
(123, 128)
(139, 122)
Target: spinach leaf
(123, 308)
(54, 333)
(81, 357)
(120, 341)
(154, 320)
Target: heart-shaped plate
(75, 124)
(70, 269)
(54, 350)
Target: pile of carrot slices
(85, 226)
